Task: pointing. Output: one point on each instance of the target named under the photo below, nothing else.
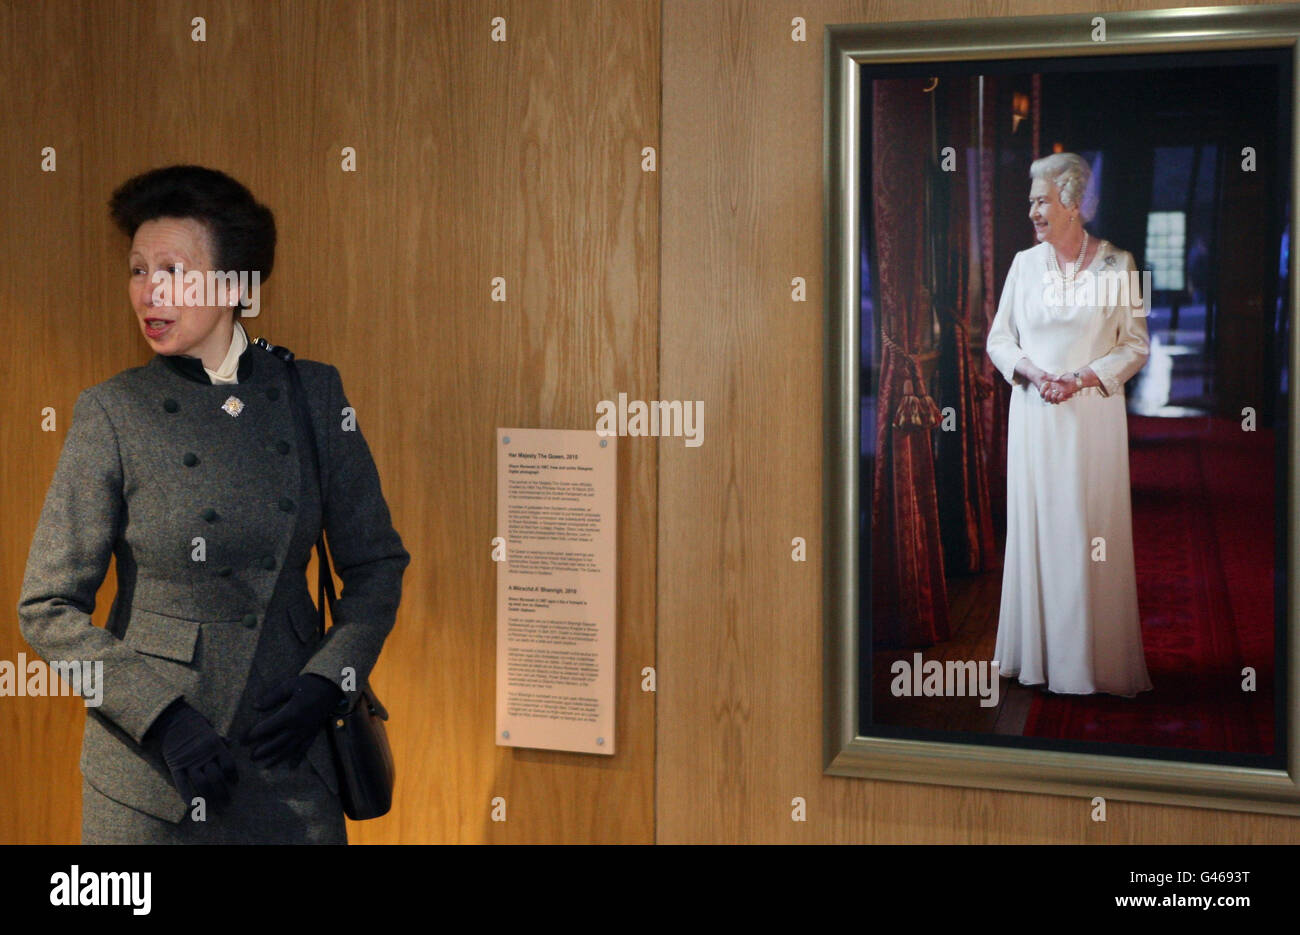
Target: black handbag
(358, 738)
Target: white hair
(1070, 174)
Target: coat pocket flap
(158, 635)
(306, 621)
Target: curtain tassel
(915, 412)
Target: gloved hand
(198, 759)
(305, 703)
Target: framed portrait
(1061, 461)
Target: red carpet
(1203, 514)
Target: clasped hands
(197, 757)
(1056, 388)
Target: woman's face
(177, 246)
(1051, 219)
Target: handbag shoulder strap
(298, 398)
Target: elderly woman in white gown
(1067, 342)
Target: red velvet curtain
(909, 596)
(965, 514)
(933, 502)
(967, 517)
(996, 406)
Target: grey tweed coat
(211, 516)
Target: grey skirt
(267, 806)
(291, 808)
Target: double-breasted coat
(205, 495)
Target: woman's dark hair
(243, 231)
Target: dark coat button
(286, 504)
(282, 447)
(171, 405)
(273, 393)
(210, 514)
(190, 459)
(269, 563)
(250, 620)
(225, 571)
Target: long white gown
(1067, 619)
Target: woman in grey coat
(192, 471)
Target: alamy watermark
(213, 288)
(1105, 289)
(128, 888)
(658, 417)
(37, 678)
(951, 679)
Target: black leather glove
(304, 704)
(198, 759)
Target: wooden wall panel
(740, 626)
(519, 160)
(475, 159)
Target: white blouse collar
(229, 369)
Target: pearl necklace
(1078, 262)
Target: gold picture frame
(847, 752)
